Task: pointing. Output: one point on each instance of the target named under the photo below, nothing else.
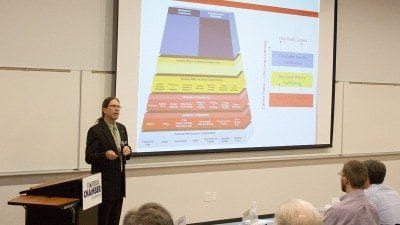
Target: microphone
(123, 144)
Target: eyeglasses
(114, 106)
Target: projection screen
(213, 75)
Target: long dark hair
(105, 104)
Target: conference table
(266, 219)
(269, 221)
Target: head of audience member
(297, 212)
(376, 172)
(353, 176)
(148, 214)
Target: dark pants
(110, 212)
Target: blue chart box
(200, 33)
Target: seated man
(297, 212)
(148, 214)
(354, 208)
(385, 198)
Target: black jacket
(99, 140)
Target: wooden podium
(58, 203)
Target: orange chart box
(290, 100)
(156, 121)
(196, 102)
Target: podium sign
(91, 191)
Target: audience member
(148, 214)
(354, 208)
(385, 198)
(297, 212)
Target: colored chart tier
(154, 121)
(199, 82)
(197, 66)
(197, 102)
(200, 33)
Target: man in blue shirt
(385, 198)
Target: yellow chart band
(198, 84)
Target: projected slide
(216, 75)
(199, 84)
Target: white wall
(80, 39)
(268, 183)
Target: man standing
(354, 207)
(385, 198)
(107, 150)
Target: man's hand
(110, 154)
(126, 150)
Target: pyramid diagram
(199, 82)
